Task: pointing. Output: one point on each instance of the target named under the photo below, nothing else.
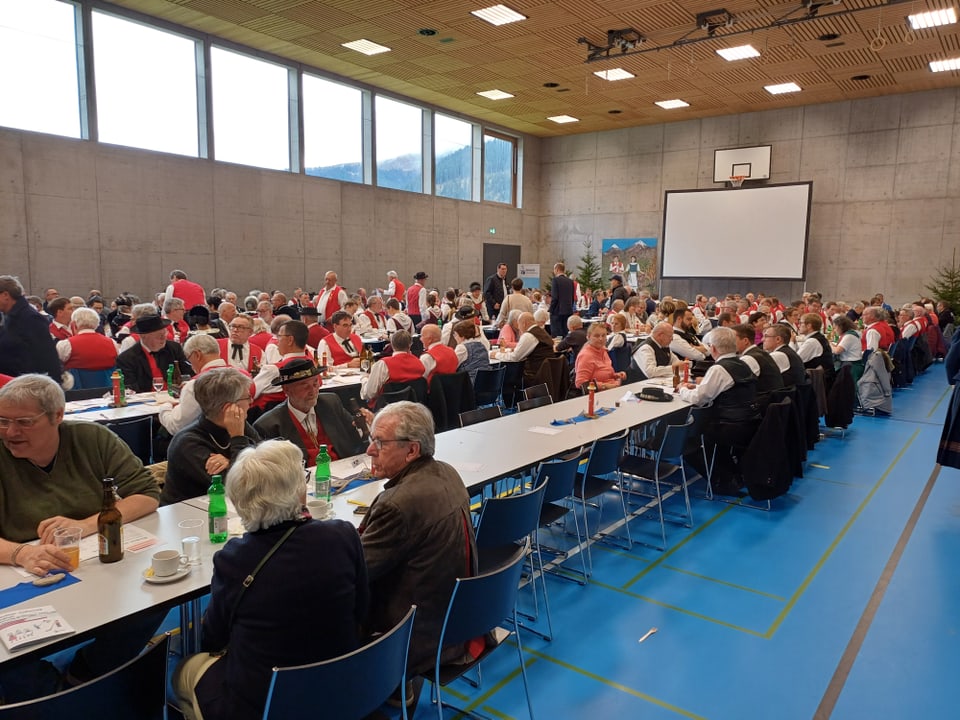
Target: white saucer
(163, 580)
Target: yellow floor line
(724, 582)
(798, 593)
(945, 393)
(510, 677)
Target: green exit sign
(493, 231)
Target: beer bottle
(676, 378)
(110, 525)
(177, 376)
(217, 510)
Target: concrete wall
(77, 215)
(886, 174)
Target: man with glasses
(202, 352)
(417, 537)
(151, 357)
(815, 349)
(291, 344)
(50, 473)
(237, 351)
(342, 348)
(776, 341)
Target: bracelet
(15, 553)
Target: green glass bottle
(321, 484)
(217, 510)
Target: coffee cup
(320, 509)
(167, 562)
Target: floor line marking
(798, 593)
(725, 582)
(494, 689)
(693, 533)
(946, 391)
(829, 700)
(615, 685)
(677, 608)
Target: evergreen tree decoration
(945, 284)
(588, 271)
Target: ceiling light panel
(366, 47)
(615, 74)
(563, 119)
(934, 18)
(782, 88)
(945, 65)
(495, 94)
(672, 104)
(498, 15)
(741, 52)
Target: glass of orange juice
(67, 540)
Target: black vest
(737, 404)
(770, 378)
(796, 375)
(823, 360)
(663, 355)
(542, 351)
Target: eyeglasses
(240, 327)
(380, 443)
(24, 423)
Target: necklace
(214, 441)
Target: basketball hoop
(737, 180)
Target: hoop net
(737, 180)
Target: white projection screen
(748, 232)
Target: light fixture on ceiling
(934, 18)
(366, 47)
(782, 88)
(672, 104)
(498, 15)
(563, 119)
(625, 40)
(945, 65)
(495, 94)
(741, 52)
(614, 74)
(712, 20)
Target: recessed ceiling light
(426, 32)
(741, 52)
(561, 119)
(498, 15)
(672, 104)
(945, 65)
(551, 85)
(933, 18)
(614, 112)
(366, 47)
(495, 94)
(861, 78)
(615, 74)
(827, 37)
(782, 88)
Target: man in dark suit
(495, 290)
(561, 301)
(150, 357)
(309, 418)
(25, 342)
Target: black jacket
(136, 369)
(336, 421)
(25, 343)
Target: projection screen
(748, 232)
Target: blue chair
(487, 386)
(534, 402)
(560, 477)
(136, 689)
(137, 433)
(477, 607)
(620, 358)
(351, 686)
(602, 475)
(471, 417)
(91, 378)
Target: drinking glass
(157, 384)
(190, 540)
(67, 540)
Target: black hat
(287, 310)
(296, 370)
(466, 312)
(420, 276)
(309, 310)
(199, 312)
(618, 278)
(150, 323)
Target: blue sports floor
(834, 604)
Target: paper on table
(135, 540)
(629, 397)
(543, 430)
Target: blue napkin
(582, 417)
(27, 591)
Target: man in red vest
(179, 287)
(417, 298)
(400, 367)
(174, 310)
(87, 349)
(291, 344)
(342, 348)
(372, 320)
(877, 332)
(60, 310)
(395, 289)
(238, 351)
(331, 298)
(438, 358)
(317, 332)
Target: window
(499, 161)
(453, 154)
(250, 110)
(399, 130)
(38, 50)
(146, 86)
(332, 130)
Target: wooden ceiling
(466, 55)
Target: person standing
(561, 301)
(417, 298)
(26, 345)
(495, 290)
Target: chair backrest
(488, 384)
(536, 391)
(508, 519)
(87, 393)
(605, 455)
(91, 378)
(560, 476)
(454, 395)
(392, 396)
(136, 433)
(479, 415)
(350, 686)
(534, 403)
(479, 604)
(136, 689)
(512, 382)
(620, 358)
(675, 440)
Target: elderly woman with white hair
(305, 603)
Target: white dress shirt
(263, 382)
(810, 348)
(646, 360)
(681, 347)
(716, 381)
(175, 418)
